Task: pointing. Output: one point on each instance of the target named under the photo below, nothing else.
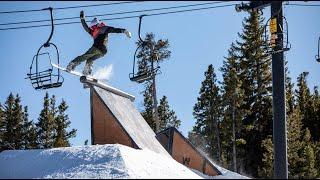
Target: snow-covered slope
(226, 174)
(96, 161)
(72, 162)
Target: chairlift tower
(278, 83)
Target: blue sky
(197, 39)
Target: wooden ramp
(185, 153)
(115, 119)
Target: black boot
(70, 67)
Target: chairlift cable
(111, 14)
(93, 5)
(310, 5)
(127, 17)
(172, 12)
(70, 7)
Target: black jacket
(101, 40)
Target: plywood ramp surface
(122, 113)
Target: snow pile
(110, 161)
(71, 162)
(148, 164)
(103, 73)
(226, 174)
(97, 161)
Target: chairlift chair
(142, 76)
(45, 79)
(270, 41)
(318, 55)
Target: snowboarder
(99, 31)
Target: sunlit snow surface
(96, 161)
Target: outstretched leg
(88, 67)
(75, 62)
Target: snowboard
(76, 73)
(73, 72)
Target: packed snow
(110, 161)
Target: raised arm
(84, 24)
(110, 29)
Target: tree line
(234, 121)
(18, 131)
(234, 116)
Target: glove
(81, 15)
(127, 33)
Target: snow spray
(104, 73)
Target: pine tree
(207, 112)
(314, 111)
(232, 100)
(294, 133)
(148, 108)
(301, 153)
(309, 169)
(266, 170)
(46, 123)
(255, 73)
(62, 123)
(151, 52)
(294, 127)
(290, 102)
(29, 134)
(294, 145)
(167, 117)
(317, 153)
(32, 137)
(308, 107)
(308, 158)
(303, 92)
(2, 126)
(13, 122)
(316, 100)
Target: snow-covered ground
(96, 161)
